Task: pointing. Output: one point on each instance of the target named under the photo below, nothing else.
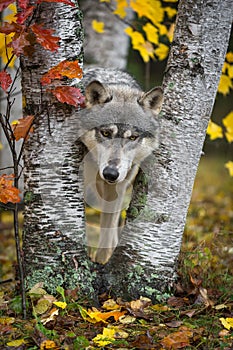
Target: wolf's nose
(110, 174)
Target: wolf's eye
(106, 133)
(133, 137)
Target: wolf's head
(120, 127)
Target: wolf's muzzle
(110, 174)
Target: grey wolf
(119, 128)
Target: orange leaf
(68, 94)
(8, 193)
(103, 316)
(69, 69)
(22, 126)
(45, 38)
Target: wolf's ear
(152, 99)
(96, 93)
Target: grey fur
(120, 128)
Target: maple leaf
(5, 80)
(68, 94)
(227, 322)
(106, 338)
(151, 33)
(69, 69)
(228, 123)
(22, 16)
(5, 3)
(8, 193)
(214, 130)
(67, 2)
(98, 26)
(12, 27)
(22, 126)
(45, 38)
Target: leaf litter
(198, 316)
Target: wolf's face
(124, 130)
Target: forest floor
(198, 316)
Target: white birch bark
(108, 49)
(145, 261)
(54, 237)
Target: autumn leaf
(139, 43)
(19, 43)
(228, 123)
(95, 315)
(229, 57)
(8, 193)
(23, 15)
(225, 84)
(121, 8)
(22, 127)
(60, 304)
(214, 131)
(227, 322)
(12, 27)
(106, 338)
(5, 80)
(229, 166)
(45, 38)
(68, 94)
(48, 344)
(16, 343)
(151, 33)
(177, 340)
(69, 69)
(98, 26)
(162, 51)
(23, 4)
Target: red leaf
(45, 38)
(5, 80)
(69, 69)
(23, 4)
(22, 16)
(22, 127)
(19, 43)
(12, 27)
(5, 3)
(8, 193)
(67, 2)
(68, 94)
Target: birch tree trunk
(145, 261)
(110, 48)
(54, 237)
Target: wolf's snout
(110, 174)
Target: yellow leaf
(228, 123)
(229, 57)
(7, 320)
(162, 51)
(16, 343)
(229, 166)
(151, 33)
(42, 306)
(98, 26)
(120, 9)
(5, 51)
(227, 322)
(60, 304)
(214, 131)
(138, 43)
(150, 9)
(110, 304)
(170, 11)
(48, 344)
(106, 338)
(230, 71)
(10, 17)
(225, 84)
